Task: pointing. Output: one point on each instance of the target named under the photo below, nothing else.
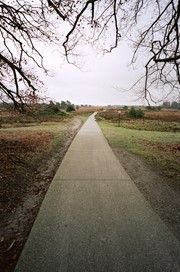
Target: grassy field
(154, 140)
(151, 125)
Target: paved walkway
(94, 218)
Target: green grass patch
(162, 149)
(151, 125)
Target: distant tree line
(171, 105)
(165, 105)
(56, 107)
(46, 107)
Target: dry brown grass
(165, 115)
(87, 110)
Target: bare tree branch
(25, 24)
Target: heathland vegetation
(154, 136)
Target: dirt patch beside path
(21, 199)
(162, 193)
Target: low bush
(135, 113)
(51, 109)
(70, 108)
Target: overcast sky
(96, 82)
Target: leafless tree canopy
(160, 37)
(152, 25)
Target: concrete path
(94, 218)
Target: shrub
(125, 107)
(135, 113)
(132, 112)
(51, 108)
(70, 108)
(139, 113)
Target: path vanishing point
(94, 219)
